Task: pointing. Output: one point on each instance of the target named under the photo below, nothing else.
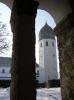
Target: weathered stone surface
(65, 33)
(23, 80)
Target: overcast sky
(42, 17)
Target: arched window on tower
(46, 43)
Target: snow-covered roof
(5, 61)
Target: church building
(47, 55)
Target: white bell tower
(47, 55)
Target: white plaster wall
(50, 60)
(47, 61)
(41, 62)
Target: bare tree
(3, 34)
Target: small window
(3, 70)
(53, 44)
(41, 44)
(46, 43)
(37, 74)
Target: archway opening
(5, 45)
(42, 18)
(5, 13)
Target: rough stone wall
(65, 33)
(23, 55)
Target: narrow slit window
(46, 43)
(53, 44)
(41, 44)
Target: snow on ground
(4, 94)
(42, 94)
(49, 94)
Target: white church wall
(41, 62)
(50, 59)
(5, 73)
(47, 60)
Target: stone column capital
(28, 7)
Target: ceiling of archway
(7, 2)
(57, 8)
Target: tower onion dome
(46, 32)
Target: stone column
(23, 83)
(65, 33)
(72, 5)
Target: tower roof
(46, 32)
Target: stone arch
(7, 2)
(58, 9)
(39, 23)
(63, 13)
(51, 18)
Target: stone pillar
(23, 83)
(72, 5)
(65, 33)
